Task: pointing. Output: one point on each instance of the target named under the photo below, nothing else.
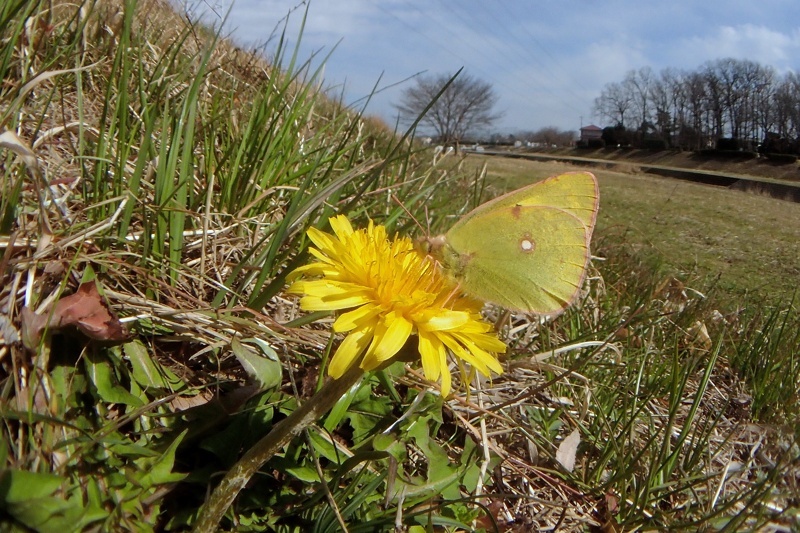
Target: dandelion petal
(351, 347)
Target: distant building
(591, 133)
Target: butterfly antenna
(427, 220)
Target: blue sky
(547, 60)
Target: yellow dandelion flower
(388, 292)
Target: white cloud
(745, 41)
(608, 61)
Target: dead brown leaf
(86, 310)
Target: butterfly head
(431, 246)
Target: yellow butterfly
(526, 250)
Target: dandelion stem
(283, 432)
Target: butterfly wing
(574, 192)
(527, 258)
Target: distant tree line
(741, 101)
(547, 137)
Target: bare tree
(613, 103)
(662, 99)
(761, 92)
(638, 84)
(465, 105)
(695, 130)
(786, 103)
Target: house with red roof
(591, 133)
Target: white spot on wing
(527, 245)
